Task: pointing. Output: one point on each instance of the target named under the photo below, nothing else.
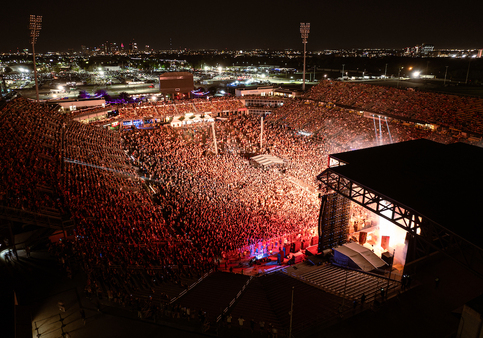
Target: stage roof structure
(432, 190)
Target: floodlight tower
(304, 31)
(35, 27)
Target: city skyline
(220, 25)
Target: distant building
(112, 68)
(133, 47)
(76, 104)
(261, 91)
(426, 49)
(423, 49)
(176, 84)
(267, 92)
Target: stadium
(164, 213)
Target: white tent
(364, 258)
(265, 160)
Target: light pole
(304, 31)
(214, 138)
(261, 132)
(399, 76)
(291, 314)
(445, 73)
(385, 73)
(468, 72)
(343, 65)
(35, 27)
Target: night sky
(243, 24)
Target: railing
(32, 218)
(191, 287)
(234, 299)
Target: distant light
(153, 98)
(416, 74)
(206, 68)
(60, 88)
(410, 68)
(220, 69)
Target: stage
(250, 265)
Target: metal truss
(25, 217)
(426, 233)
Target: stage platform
(266, 263)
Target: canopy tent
(266, 160)
(362, 257)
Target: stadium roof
(443, 183)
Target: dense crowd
(152, 109)
(165, 109)
(329, 130)
(90, 110)
(222, 203)
(453, 111)
(119, 227)
(30, 146)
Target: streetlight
(468, 72)
(445, 73)
(35, 27)
(304, 31)
(343, 65)
(399, 76)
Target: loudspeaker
(387, 257)
(385, 242)
(315, 240)
(287, 249)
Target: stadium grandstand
(177, 227)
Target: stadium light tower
(304, 31)
(35, 27)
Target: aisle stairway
(333, 279)
(310, 304)
(213, 294)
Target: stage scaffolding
(426, 235)
(333, 220)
